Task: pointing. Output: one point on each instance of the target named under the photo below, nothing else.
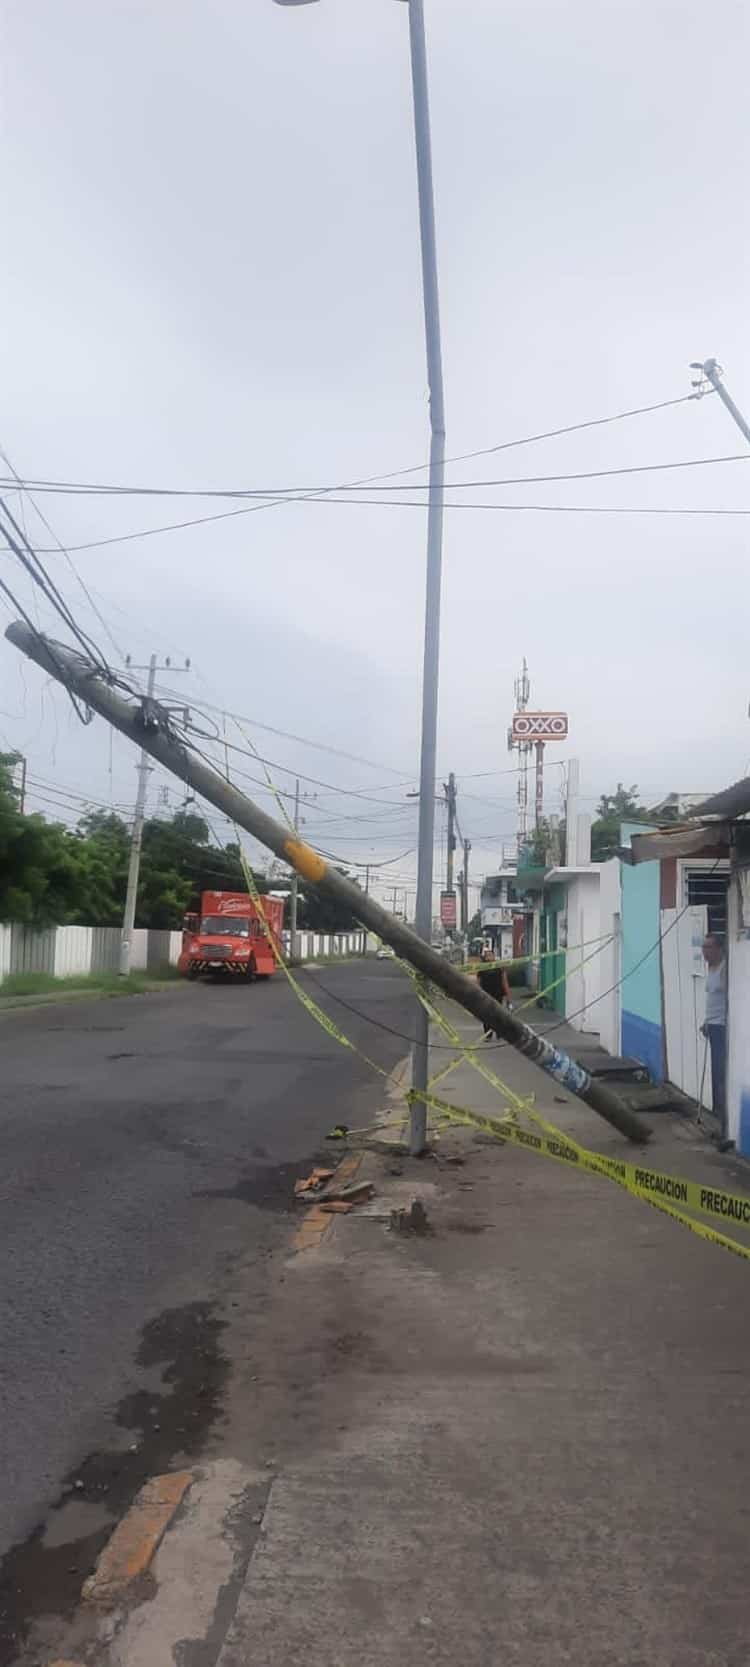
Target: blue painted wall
(642, 1025)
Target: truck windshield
(221, 926)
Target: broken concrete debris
(308, 1183)
(413, 1220)
(320, 1187)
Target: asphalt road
(145, 1142)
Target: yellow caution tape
(652, 1186)
(663, 1192)
(475, 963)
(322, 1018)
(534, 997)
(649, 1185)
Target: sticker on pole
(539, 726)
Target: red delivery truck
(230, 936)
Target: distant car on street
(385, 953)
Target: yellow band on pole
(305, 860)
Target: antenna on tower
(522, 693)
(531, 731)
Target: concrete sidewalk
(520, 1439)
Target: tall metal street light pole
(431, 662)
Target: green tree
(179, 862)
(545, 845)
(41, 867)
(104, 839)
(52, 876)
(614, 808)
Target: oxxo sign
(539, 726)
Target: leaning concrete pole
(148, 726)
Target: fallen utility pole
(148, 725)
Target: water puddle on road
(42, 1576)
(77, 1519)
(269, 1186)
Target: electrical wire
(292, 493)
(17, 609)
(286, 735)
(415, 469)
(23, 550)
(61, 547)
(621, 980)
(92, 488)
(316, 781)
(494, 1046)
(403, 503)
(29, 559)
(344, 861)
(512, 509)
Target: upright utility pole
(713, 374)
(465, 887)
(293, 895)
(539, 795)
(136, 841)
(19, 763)
(367, 893)
(449, 789)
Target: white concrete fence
(311, 944)
(63, 951)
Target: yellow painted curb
(312, 1231)
(130, 1550)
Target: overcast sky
(212, 281)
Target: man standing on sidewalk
(714, 1028)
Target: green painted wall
(553, 968)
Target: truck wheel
(251, 974)
(192, 972)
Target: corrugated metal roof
(684, 841)
(732, 801)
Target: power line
(29, 559)
(316, 781)
(512, 509)
(344, 861)
(286, 735)
(61, 547)
(94, 488)
(282, 493)
(402, 503)
(18, 608)
(389, 810)
(571, 428)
